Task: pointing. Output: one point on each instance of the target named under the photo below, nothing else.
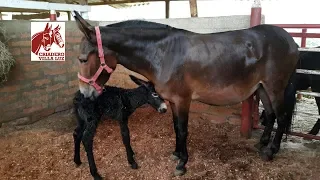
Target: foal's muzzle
(163, 108)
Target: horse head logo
(46, 38)
(56, 37)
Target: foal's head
(152, 97)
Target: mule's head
(90, 62)
(152, 96)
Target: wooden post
(167, 8)
(193, 8)
(249, 106)
(53, 15)
(69, 15)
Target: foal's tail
(290, 101)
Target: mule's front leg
(126, 141)
(87, 141)
(176, 154)
(182, 108)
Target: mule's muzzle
(163, 108)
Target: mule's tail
(290, 100)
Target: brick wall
(37, 89)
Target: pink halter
(103, 65)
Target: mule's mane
(147, 30)
(140, 24)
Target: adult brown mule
(218, 69)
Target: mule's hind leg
(316, 127)
(284, 116)
(87, 141)
(269, 118)
(263, 118)
(126, 141)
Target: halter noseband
(103, 65)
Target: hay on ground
(6, 59)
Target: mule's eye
(155, 95)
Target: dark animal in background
(115, 103)
(310, 61)
(221, 69)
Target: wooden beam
(167, 8)
(36, 5)
(193, 8)
(121, 2)
(42, 15)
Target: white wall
(204, 24)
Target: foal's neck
(137, 97)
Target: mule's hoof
(258, 146)
(97, 177)
(134, 165)
(266, 154)
(180, 172)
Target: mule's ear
(137, 80)
(84, 26)
(46, 28)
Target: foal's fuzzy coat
(115, 103)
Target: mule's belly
(226, 96)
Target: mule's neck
(135, 48)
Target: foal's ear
(138, 81)
(84, 26)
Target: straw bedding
(6, 59)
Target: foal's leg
(77, 136)
(316, 127)
(182, 108)
(126, 141)
(87, 141)
(176, 154)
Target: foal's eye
(155, 95)
(83, 60)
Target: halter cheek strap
(103, 65)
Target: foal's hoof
(175, 156)
(180, 172)
(78, 162)
(266, 154)
(97, 177)
(134, 165)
